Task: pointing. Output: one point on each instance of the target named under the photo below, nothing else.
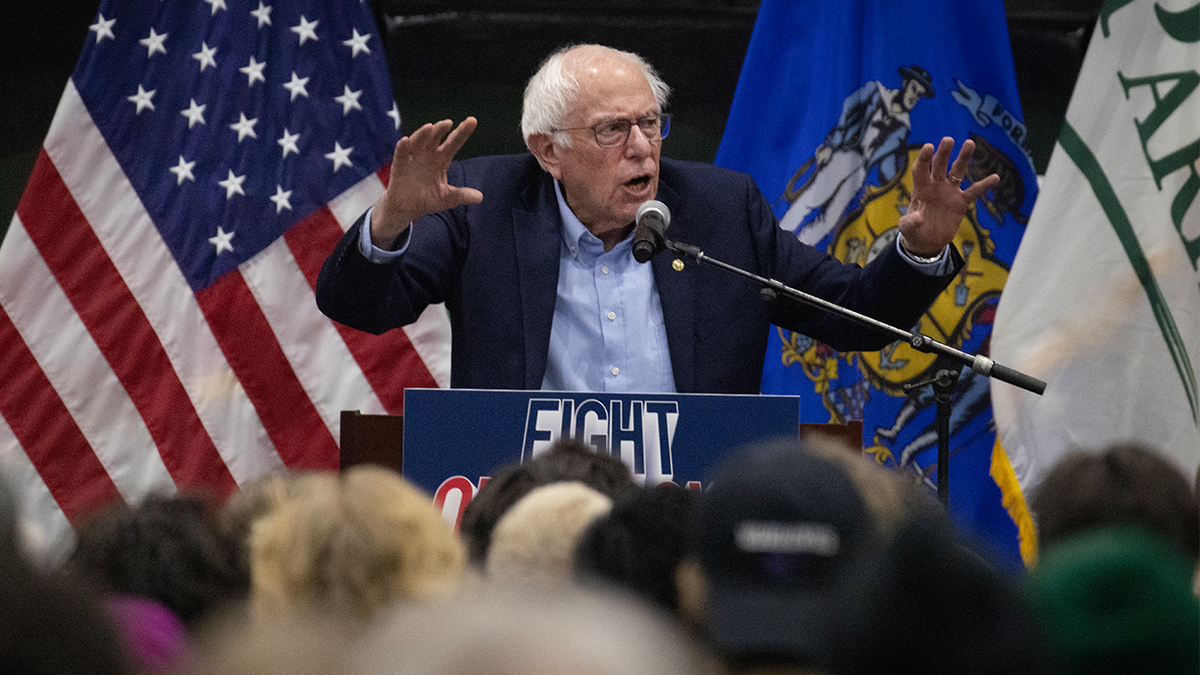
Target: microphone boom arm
(923, 343)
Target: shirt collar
(575, 234)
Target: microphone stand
(944, 379)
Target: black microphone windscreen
(652, 220)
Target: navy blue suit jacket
(495, 265)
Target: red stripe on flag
(389, 361)
(47, 433)
(115, 320)
(252, 350)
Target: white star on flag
(263, 14)
(217, 4)
(142, 99)
(206, 56)
(288, 142)
(281, 199)
(233, 185)
(296, 86)
(153, 43)
(183, 171)
(103, 28)
(194, 113)
(349, 100)
(254, 71)
(305, 29)
(223, 241)
(358, 43)
(340, 156)
(244, 127)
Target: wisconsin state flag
(832, 105)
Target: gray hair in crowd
(554, 87)
(504, 630)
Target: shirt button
(616, 370)
(604, 269)
(612, 315)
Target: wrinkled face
(605, 186)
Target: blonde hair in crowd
(351, 544)
(536, 540)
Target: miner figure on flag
(871, 133)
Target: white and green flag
(1103, 299)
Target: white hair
(501, 629)
(554, 87)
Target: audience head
(49, 626)
(638, 546)
(252, 500)
(297, 644)
(566, 460)
(168, 549)
(536, 539)
(892, 499)
(350, 544)
(1127, 484)
(1117, 600)
(778, 533)
(500, 630)
(930, 604)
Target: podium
(379, 439)
(453, 439)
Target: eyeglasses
(612, 133)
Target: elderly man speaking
(533, 253)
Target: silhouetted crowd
(799, 556)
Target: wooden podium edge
(371, 439)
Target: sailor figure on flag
(872, 132)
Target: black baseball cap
(779, 535)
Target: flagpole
(919, 341)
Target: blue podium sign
(455, 438)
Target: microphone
(653, 217)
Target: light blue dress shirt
(608, 332)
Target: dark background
(451, 58)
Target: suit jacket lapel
(677, 292)
(538, 237)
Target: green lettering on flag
(1183, 26)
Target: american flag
(159, 329)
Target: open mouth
(638, 183)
